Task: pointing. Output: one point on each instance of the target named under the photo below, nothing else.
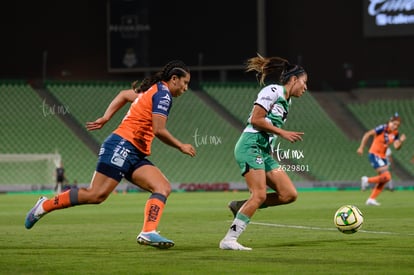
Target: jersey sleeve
(267, 97)
(161, 102)
(379, 129)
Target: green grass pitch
(299, 238)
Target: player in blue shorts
(124, 153)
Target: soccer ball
(348, 219)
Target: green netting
(326, 153)
(31, 126)
(88, 101)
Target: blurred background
(62, 62)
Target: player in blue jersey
(382, 137)
(124, 152)
(253, 153)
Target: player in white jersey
(253, 150)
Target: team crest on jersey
(259, 160)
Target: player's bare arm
(160, 131)
(399, 142)
(116, 104)
(364, 141)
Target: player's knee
(257, 198)
(167, 190)
(164, 190)
(385, 177)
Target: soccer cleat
(364, 183)
(233, 207)
(154, 239)
(232, 245)
(372, 202)
(35, 214)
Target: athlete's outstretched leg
(99, 189)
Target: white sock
(236, 228)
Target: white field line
(327, 229)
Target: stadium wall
(68, 40)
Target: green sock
(243, 217)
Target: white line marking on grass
(293, 226)
(326, 229)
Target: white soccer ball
(348, 219)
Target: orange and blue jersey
(383, 138)
(136, 127)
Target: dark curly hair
(174, 67)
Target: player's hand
(292, 136)
(403, 138)
(188, 149)
(97, 124)
(360, 151)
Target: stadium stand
(88, 100)
(31, 126)
(191, 121)
(236, 97)
(35, 126)
(328, 155)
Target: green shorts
(253, 151)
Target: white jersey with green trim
(272, 99)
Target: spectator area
(30, 126)
(326, 153)
(190, 120)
